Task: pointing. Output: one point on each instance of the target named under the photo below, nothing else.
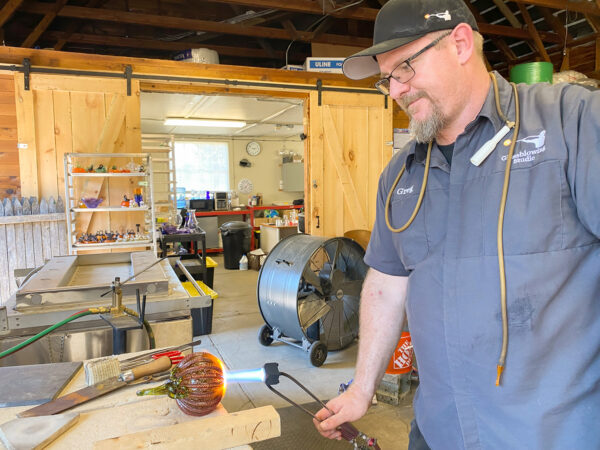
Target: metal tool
(135, 275)
(148, 356)
(349, 432)
(83, 395)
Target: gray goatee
(427, 129)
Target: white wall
(265, 172)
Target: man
(448, 268)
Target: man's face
(421, 96)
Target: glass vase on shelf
(190, 221)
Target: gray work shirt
(550, 391)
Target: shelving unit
(111, 187)
(162, 149)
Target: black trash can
(236, 242)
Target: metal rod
(189, 276)
(135, 275)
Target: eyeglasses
(404, 72)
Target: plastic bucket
(402, 358)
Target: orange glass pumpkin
(197, 383)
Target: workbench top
(114, 414)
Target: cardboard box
(327, 65)
(258, 221)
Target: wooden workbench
(116, 414)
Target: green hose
(43, 333)
(99, 310)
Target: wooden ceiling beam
(584, 7)
(499, 30)
(499, 43)
(180, 23)
(8, 9)
(506, 11)
(308, 7)
(43, 24)
(128, 42)
(74, 25)
(556, 25)
(534, 33)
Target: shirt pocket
(412, 244)
(533, 219)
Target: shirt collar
(418, 152)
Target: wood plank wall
(10, 183)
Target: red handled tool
(175, 356)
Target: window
(202, 166)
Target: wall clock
(245, 186)
(253, 148)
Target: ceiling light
(182, 122)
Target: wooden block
(231, 430)
(35, 432)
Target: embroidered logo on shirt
(404, 191)
(445, 15)
(538, 141)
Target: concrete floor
(236, 321)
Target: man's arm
(382, 315)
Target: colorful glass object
(197, 383)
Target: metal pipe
(190, 277)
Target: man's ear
(464, 41)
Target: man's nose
(398, 89)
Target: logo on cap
(445, 15)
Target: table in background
(198, 241)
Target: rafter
(309, 7)
(534, 32)
(43, 24)
(499, 43)
(96, 39)
(8, 9)
(74, 25)
(575, 6)
(181, 23)
(505, 10)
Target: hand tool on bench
(83, 395)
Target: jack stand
(120, 321)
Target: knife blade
(88, 393)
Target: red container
(401, 361)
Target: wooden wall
(10, 183)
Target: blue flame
(245, 376)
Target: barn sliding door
(62, 114)
(350, 144)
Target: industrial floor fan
(309, 292)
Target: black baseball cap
(400, 22)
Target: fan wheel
(264, 335)
(318, 353)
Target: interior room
(224, 222)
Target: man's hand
(348, 407)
